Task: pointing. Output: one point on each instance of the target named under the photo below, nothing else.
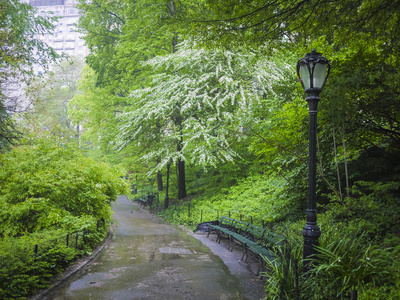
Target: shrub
(50, 183)
(49, 188)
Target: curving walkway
(150, 260)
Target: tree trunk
(181, 173)
(160, 185)
(345, 165)
(337, 164)
(180, 163)
(172, 11)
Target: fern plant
(345, 266)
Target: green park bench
(264, 243)
(257, 240)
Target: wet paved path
(150, 260)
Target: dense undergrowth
(30, 262)
(260, 198)
(55, 206)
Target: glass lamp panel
(305, 75)
(319, 75)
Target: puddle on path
(150, 260)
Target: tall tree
(121, 35)
(20, 51)
(202, 99)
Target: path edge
(65, 277)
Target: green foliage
(49, 188)
(206, 97)
(261, 198)
(373, 209)
(93, 107)
(20, 51)
(281, 273)
(20, 48)
(291, 21)
(22, 270)
(389, 292)
(49, 183)
(345, 264)
(121, 35)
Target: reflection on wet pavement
(150, 260)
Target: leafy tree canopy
(122, 34)
(294, 20)
(203, 99)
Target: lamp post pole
(313, 71)
(311, 231)
(166, 200)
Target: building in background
(65, 39)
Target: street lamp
(166, 200)
(313, 71)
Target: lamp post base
(311, 233)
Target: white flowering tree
(195, 104)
